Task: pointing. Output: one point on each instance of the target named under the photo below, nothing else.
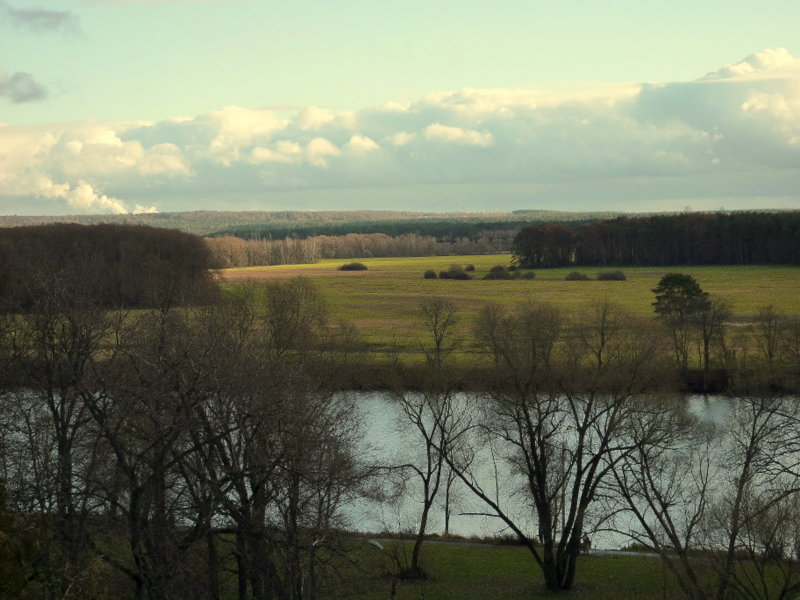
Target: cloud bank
(731, 137)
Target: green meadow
(383, 301)
(477, 572)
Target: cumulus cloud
(401, 138)
(313, 118)
(733, 134)
(39, 20)
(319, 150)
(766, 61)
(360, 144)
(20, 88)
(458, 135)
(283, 151)
(85, 198)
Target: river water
(390, 440)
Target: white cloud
(777, 106)
(319, 150)
(361, 144)
(236, 127)
(313, 118)
(283, 151)
(401, 138)
(85, 198)
(733, 134)
(766, 61)
(469, 137)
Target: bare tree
(710, 322)
(558, 414)
(280, 444)
(440, 318)
(728, 489)
(153, 386)
(54, 345)
(430, 414)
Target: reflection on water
(390, 440)
(712, 409)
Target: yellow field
(383, 302)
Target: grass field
(505, 573)
(383, 301)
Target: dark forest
(689, 239)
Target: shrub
(353, 266)
(611, 276)
(469, 268)
(498, 272)
(430, 274)
(454, 272)
(526, 275)
(576, 276)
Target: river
(390, 440)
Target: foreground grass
(504, 572)
(383, 301)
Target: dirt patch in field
(229, 276)
(288, 272)
(379, 323)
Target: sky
(117, 106)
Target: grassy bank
(466, 572)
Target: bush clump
(430, 274)
(525, 275)
(611, 276)
(353, 266)
(576, 276)
(498, 272)
(469, 268)
(454, 272)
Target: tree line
(117, 265)
(231, 251)
(442, 229)
(737, 238)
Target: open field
(467, 572)
(383, 302)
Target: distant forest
(740, 238)
(280, 224)
(442, 229)
(538, 239)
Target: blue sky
(164, 105)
